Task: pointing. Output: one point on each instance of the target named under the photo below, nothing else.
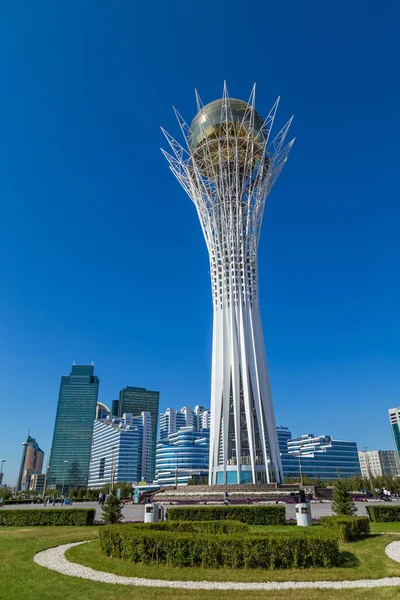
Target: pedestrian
(226, 501)
(54, 499)
(46, 500)
(100, 498)
(106, 498)
(1, 503)
(62, 500)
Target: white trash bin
(150, 513)
(303, 515)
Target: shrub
(384, 513)
(49, 516)
(273, 551)
(15, 501)
(349, 529)
(253, 515)
(342, 500)
(198, 526)
(112, 511)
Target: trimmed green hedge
(253, 515)
(273, 551)
(49, 516)
(197, 526)
(19, 502)
(349, 529)
(383, 513)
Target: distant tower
(31, 463)
(228, 169)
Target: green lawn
(388, 527)
(21, 578)
(363, 560)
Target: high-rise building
(167, 423)
(73, 430)
(375, 463)
(121, 450)
(394, 418)
(31, 463)
(321, 456)
(183, 455)
(201, 418)
(228, 167)
(36, 483)
(136, 400)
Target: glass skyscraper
(73, 430)
(394, 418)
(136, 400)
(31, 463)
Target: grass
(21, 578)
(362, 560)
(385, 527)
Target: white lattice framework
(229, 176)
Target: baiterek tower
(228, 168)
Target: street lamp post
(301, 468)
(45, 482)
(65, 468)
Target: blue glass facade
(73, 430)
(321, 456)
(394, 418)
(183, 455)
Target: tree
(342, 501)
(112, 512)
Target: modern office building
(322, 456)
(228, 168)
(394, 418)
(102, 411)
(183, 455)
(73, 430)
(172, 420)
(121, 450)
(135, 400)
(375, 463)
(201, 418)
(31, 462)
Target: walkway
(55, 559)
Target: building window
(102, 468)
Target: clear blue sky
(101, 253)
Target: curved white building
(228, 169)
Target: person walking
(46, 501)
(54, 499)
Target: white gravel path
(55, 559)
